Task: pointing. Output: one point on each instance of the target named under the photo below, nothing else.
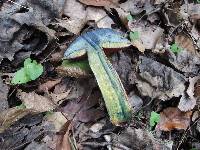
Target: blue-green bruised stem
(111, 87)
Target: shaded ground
(64, 109)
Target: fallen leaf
(172, 15)
(172, 118)
(88, 115)
(84, 109)
(121, 59)
(185, 42)
(59, 98)
(24, 131)
(99, 2)
(36, 102)
(63, 142)
(8, 117)
(100, 17)
(72, 90)
(148, 34)
(76, 21)
(77, 14)
(186, 61)
(48, 85)
(26, 25)
(135, 7)
(57, 119)
(141, 138)
(74, 25)
(159, 81)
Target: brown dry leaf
(63, 142)
(57, 98)
(141, 138)
(133, 7)
(77, 14)
(158, 81)
(57, 119)
(100, 17)
(172, 118)
(99, 2)
(73, 25)
(185, 42)
(83, 109)
(8, 117)
(76, 88)
(36, 102)
(48, 85)
(148, 34)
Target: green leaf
(134, 36)
(154, 118)
(20, 77)
(175, 48)
(31, 71)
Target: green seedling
(31, 71)
(154, 118)
(175, 48)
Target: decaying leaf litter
(64, 107)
